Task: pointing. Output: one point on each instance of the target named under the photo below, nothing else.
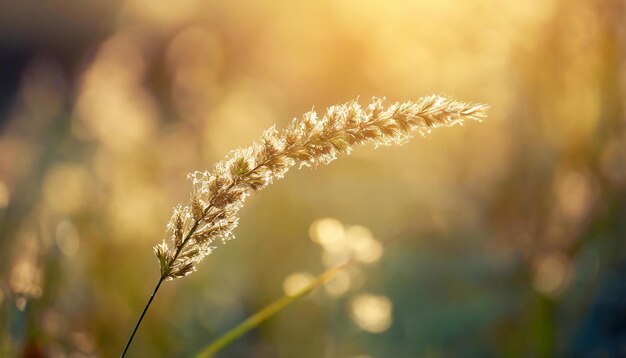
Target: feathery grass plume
(217, 196)
(212, 213)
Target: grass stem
(132, 335)
(266, 313)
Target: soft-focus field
(505, 238)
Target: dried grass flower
(213, 211)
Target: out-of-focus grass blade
(266, 313)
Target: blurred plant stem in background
(267, 312)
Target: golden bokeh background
(503, 238)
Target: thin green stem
(266, 313)
(132, 335)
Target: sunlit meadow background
(502, 238)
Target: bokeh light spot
(366, 249)
(574, 194)
(339, 284)
(371, 313)
(295, 282)
(26, 279)
(67, 238)
(552, 274)
(4, 195)
(328, 232)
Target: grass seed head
(213, 211)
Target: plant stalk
(266, 313)
(132, 335)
